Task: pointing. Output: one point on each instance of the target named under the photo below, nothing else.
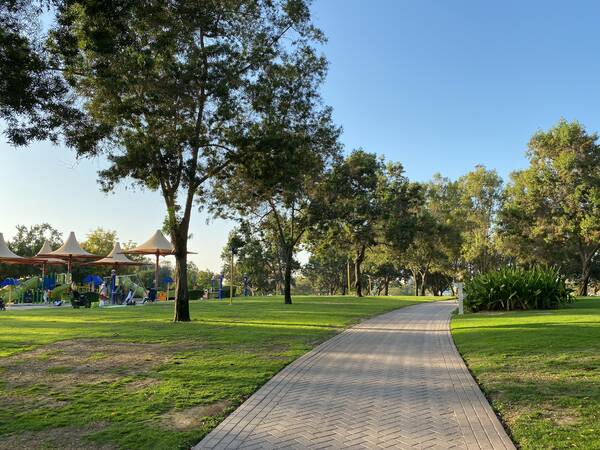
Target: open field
(129, 378)
(541, 371)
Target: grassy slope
(129, 397)
(541, 370)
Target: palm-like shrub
(509, 288)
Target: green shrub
(196, 294)
(508, 289)
(92, 296)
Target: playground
(129, 378)
(110, 289)
(62, 288)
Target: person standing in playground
(103, 294)
(113, 286)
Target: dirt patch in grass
(193, 418)
(64, 438)
(68, 363)
(140, 384)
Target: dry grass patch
(64, 438)
(192, 418)
(76, 362)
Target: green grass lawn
(129, 378)
(541, 371)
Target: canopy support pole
(156, 272)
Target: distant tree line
(373, 228)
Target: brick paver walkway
(395, 381)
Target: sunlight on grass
(131, 378)
(541, 370)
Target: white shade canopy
(45, 259)
(158, 244)
(116, 258)
(70, 249)
(8, 257)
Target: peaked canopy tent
(8, 257)
(158, 245)
(46, 261)
(70, 251)
(115, 259)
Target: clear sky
(438, 85)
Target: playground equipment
(168, 281)
(9, 282)
(8, 257)
(157, 245)
(120, 284)
(218, 291)
(46, 261)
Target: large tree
(29, 240)
(258, 257)
(100, 241)
(293, 144)
(373, 204)
(169, 89)
(552, 208)
(481, 193)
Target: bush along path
(508, 289)
(395, 381)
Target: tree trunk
(423, 275)
(182, 305)
(416, 280)
(586, 272)
(386, 287)
(287, 289)
(360, 257)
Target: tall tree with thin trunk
(170, 91)
(293, 144)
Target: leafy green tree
(425, 249)
(169, 90)
(482, 195)
(326, 269)
(552, 209)
(443, 198)
(100, 241)
(372, 203)
(258, 258)
(294, 143)
(29, 240)
(35, 101)
(203, 279)
(381, 269)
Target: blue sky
(440, 86)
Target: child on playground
(103, 294)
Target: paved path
(395, 381)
